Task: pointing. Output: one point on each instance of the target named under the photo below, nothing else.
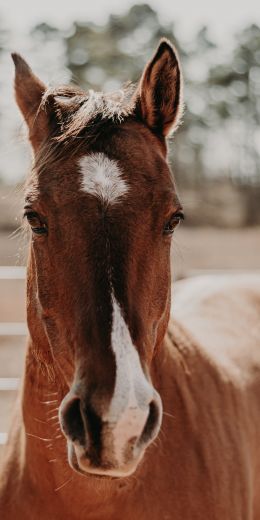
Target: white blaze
(102, 178)
(129, 407)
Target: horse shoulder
(221, 314)
(210, 383)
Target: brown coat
(205, 463)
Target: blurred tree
(235, 89)
(44, 32)
(4, 33)
(220, 136)
(105, 57)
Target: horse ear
(29, 92)
(159, 94)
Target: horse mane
(78, 118)
(77, 111)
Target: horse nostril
(72, 422)
(81, 424)
(152, 423)
(94, 426)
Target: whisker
(64, 484)
(53, 417)
(155, 443)
(39, 420)
(169, 415)
(16, 232)
(51, 411)
(58, 434)
(161, 434)
(49, 402)
(37, 437)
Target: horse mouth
(80, 463)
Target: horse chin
(81, 464)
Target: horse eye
(38, 227)
(172, 223)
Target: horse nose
(104, 440)
(79, 423)
(132, 432)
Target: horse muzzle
(112, 443)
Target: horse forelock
(78, 119)
(76, 109)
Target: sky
(224, 17)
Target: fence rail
(12, 336)
(13, 272)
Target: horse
(129, 407)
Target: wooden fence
(13, 332)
